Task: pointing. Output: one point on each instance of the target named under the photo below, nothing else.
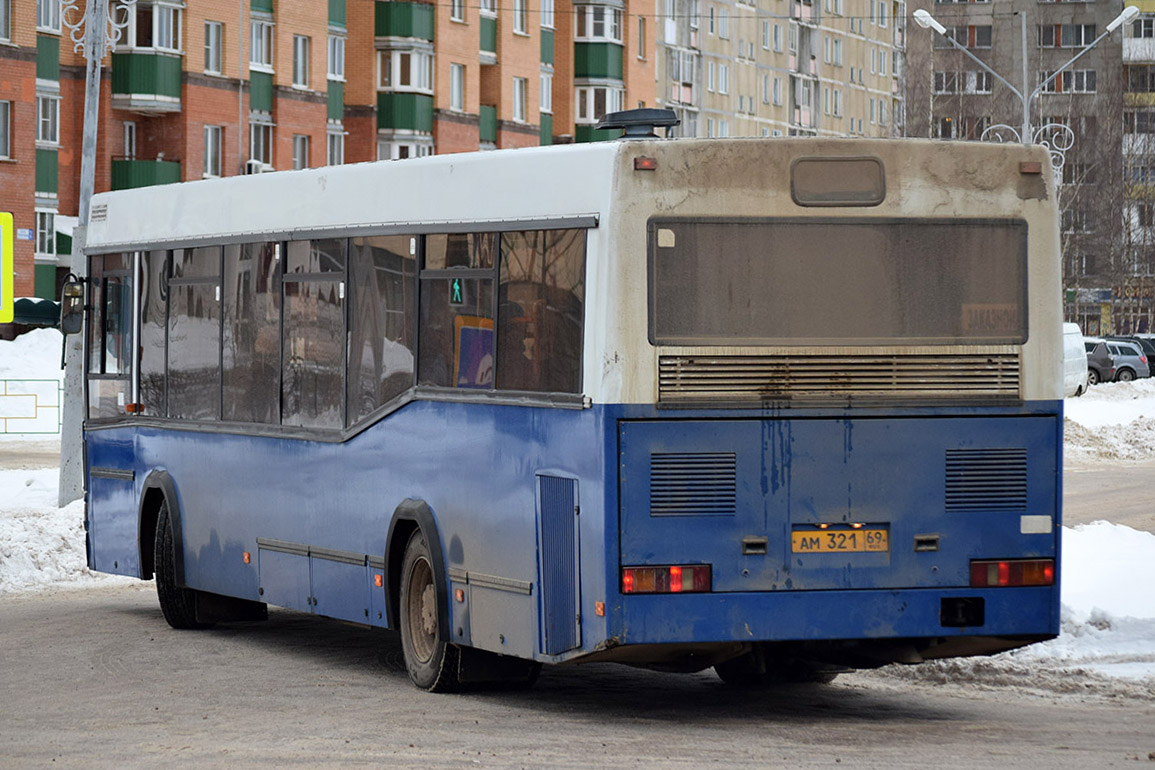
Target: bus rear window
(837, 281)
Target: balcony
(148, 82)
(128, 173)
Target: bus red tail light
(995, 573)
(683, 579)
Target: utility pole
(95, 31)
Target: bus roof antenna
(640, 123)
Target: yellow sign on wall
(7, 274)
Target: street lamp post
(95, 31)
(926, 21)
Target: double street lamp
(926, 21)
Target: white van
(1074, 361)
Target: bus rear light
(1012, 572)
(684, 579)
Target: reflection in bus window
(251, 382)
(194, 333)
(539, 315)
(153, 305)
(381, 271)
(313, 345)
(474, 250)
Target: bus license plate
(840, 541)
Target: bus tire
(176, 602)
(431, 661)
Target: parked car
(1130, 361)
(1146, 343)
(1100, 362)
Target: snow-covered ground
(1107, 644)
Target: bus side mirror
(72, 306)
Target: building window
(597, 22)
(214, 34)
(1139, 78)
(724, 24)
(393, 150)
(520, 96)
(695, 16)
(547, 14)
(1144, 27)
(641, 37)
(723, 78)
(962, 82)
(5, 128)
(300, 61)
(300, 151)
(777, 92)
(45, 233)
(1070, 82)
(711, 78)
(973, 36)
(519, 17)
(546, 92)
(5, 20)
(595, 101)
(457, 87)
(711, 27)
(129, 139)
(487, 8)
(48, 15)
(48, 120)
(882, 14)
(405, 71)
(836, 47)
(261, 142)
(336, 57)
(261, 45)
(335, 140)
(1066, 35)
(457, 10)
(213, 146)
(151, 26)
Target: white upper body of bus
(708, 260)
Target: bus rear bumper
(858, 627)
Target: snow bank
(40, 545)
(32, 356)
(1112, 421)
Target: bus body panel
(937, 492)
(481, 475)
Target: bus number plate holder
(865, 539)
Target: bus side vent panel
(559, 574)
(986, 479)
(693, 484)
(716, 379)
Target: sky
(1107, 643)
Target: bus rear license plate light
(676, 579)
(1004, 573)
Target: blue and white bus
(779, 407)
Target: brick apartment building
(213, 88)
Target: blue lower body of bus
(854, 532)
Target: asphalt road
(96, 679)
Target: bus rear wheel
(176, 602)
(431, 661)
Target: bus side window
(540, 311)
(110, 335)
(456, 326)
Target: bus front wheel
(176, 602)
(432, 662)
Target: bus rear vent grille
(693, 484)
(986, 479)
(770, 378)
